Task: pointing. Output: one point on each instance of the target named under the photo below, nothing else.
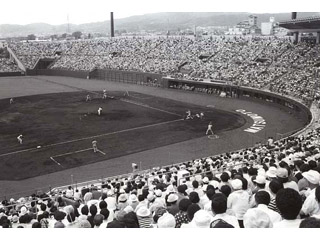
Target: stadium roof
(302, 24)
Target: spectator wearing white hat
(311, 180)
(172, 205)
(144, 217)
(133, 201)
(256, 218)
(311, 205)
(261, 182)
(238, 200)
(201, 219)
(167, 220)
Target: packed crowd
(275, 64)
(6, 65)
(273, 185)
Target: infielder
(209, 129)
(20, 138)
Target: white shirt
(292, 185)
(311, 205)
(274, 216)
(287, 223)
(238, 201)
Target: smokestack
(294, 15)
(112, 24)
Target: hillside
(155, 22)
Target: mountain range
(149, 22)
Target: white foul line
(69, 153)
(101, 152)
(55, 161)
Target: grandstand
(267, 166)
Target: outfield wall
(127, 77)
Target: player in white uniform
(209, 129)
(11, 101)
(189, 116)
(99, 111)
(94, 146)
(88, 98)
(20, 138)
(104, 94)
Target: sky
(85, 11)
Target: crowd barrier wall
(11, 74)
(58, 72)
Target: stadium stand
(276, 184)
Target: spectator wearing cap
(311, 205)
(310, 181)
(144, 217)
(260, 186)
(122, 202)
(111, 201)
(256, 218)
(271, 173)
(238, 201)
(181, 217)
(219, 208)
(172, 204)
(289, 202)
(283, 176)
(167, 220)
(201, 219)
(275, 185)
(262, 198)
(133, 201)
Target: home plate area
(73, 156)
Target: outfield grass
(64, 123)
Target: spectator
(289, 202)
(219, 208)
